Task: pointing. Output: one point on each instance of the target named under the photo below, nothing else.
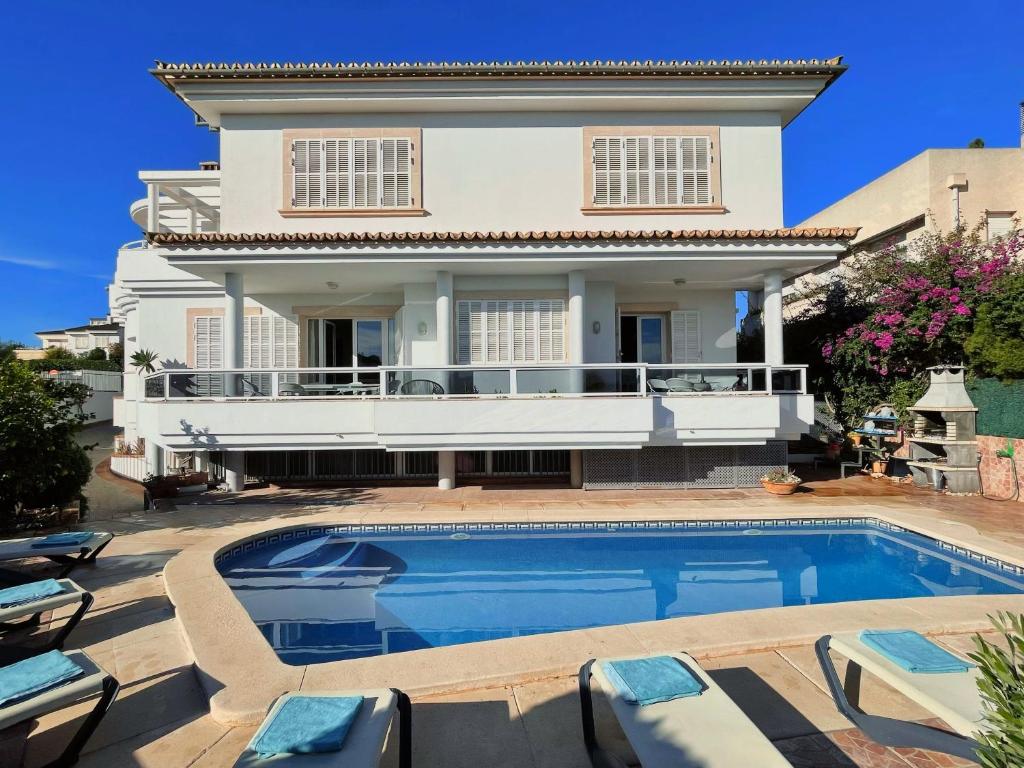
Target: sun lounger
(365, 741)
(93, 681)
(707, 730)
(70, 593)
(952, 696)
(68, 554)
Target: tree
(996, 346)
(96, 353)
(41, 465)
(143, 361)
(978, 143)
(115, 353)
(7, 350)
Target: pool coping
(220, 633)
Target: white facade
(497, 305)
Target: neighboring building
(461, 271)
(933, 191)
(98, 333)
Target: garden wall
(1000, 423)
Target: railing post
(275, 384)
(641, 378)
(383, 382)
(167, 386)
(803, 381)
(513, 381)
(768, 379)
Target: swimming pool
(329, 593)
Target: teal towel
(35, 675)
(305, 724)
(652, 680)
(69, 539)
(28, 593)
(912, 652)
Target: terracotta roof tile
(649, 235)
(500, 69)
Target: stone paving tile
(550, 712)
(225, 751)
(864, 752)
(815, 751)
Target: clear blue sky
(80, 114)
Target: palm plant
(1002, 690)
(143, 361)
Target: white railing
(468, 381)
(130, 467)
(97, 381)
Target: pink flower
(826, 350)
(884, 341)
(894, 318)
(962, 309)
(916, 283)
(961, 273)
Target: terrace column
(446, 470)
(772, 314)
(234, 316)
(577, 298)
(443, 346)
(234, 470)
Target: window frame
(414, 135)
(590, 208)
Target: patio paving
(161, 716)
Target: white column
(772, 313)
(234, 470)
(444, 318)
(153, 208)
(153, 454)
(577, 299)
(576, 469)
(446, 470)
(234, 316)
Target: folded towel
(652, 680)
(28, 593)
(912, 652)
(35, 675)
(69, 539)
(305, 724)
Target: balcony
(179, 201)
(476, 408)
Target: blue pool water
(319, 597)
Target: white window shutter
(666, 170)
(396, 167)
(637, 171)
(307, 173)
(337, 173)
(607, 152)
(365, 173)
(209, 353)
(686, 336)
(462, 333)
(999, 224)
(695, 170)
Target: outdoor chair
(288, 389)
(700, 727)
(359, 742)
(32, 600)
(952, 695)
(68, 549)
(658, 386)
(421, 387)
(51, 682)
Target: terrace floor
(161, 716)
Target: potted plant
(781, 482)
(1001, 683)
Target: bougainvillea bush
(907, 308)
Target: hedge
(1000, 407)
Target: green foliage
(41, 465)
(999, 406)
(1002, 690)
(73, 363)
(115, 353)
(978, 143)
(96, 353)
(7, 350)
(996, 346)
(143, 361)
(58, 353)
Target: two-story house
(472, 270)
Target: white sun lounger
(705, 731)
(69, 556)
(94, 682)
(952, 696)
(71, 594)
(365, 741)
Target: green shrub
(1002, 690)
(996, 347)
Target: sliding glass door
(348, 343)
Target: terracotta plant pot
(879, 467)
(780, 489)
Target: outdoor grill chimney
(214, 165)
(947, 391)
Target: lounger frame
(69, 561)
(599, 758)
(13, 653)
(886, 731)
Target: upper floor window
(998, 223)
(652, 170)
(350, 172)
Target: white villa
(464, 271)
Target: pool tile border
(295, 534)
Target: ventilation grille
(682, 466)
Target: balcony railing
(463, 381)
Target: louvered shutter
(307, 177)
(209, 353)
(999, 225)
(637, 171)
(607, 152)
(463, 337)
(666, 170)
(337, 181)
(695, 170)
(365, 173)
(550, 331)
(396, 161)
(686, 336)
